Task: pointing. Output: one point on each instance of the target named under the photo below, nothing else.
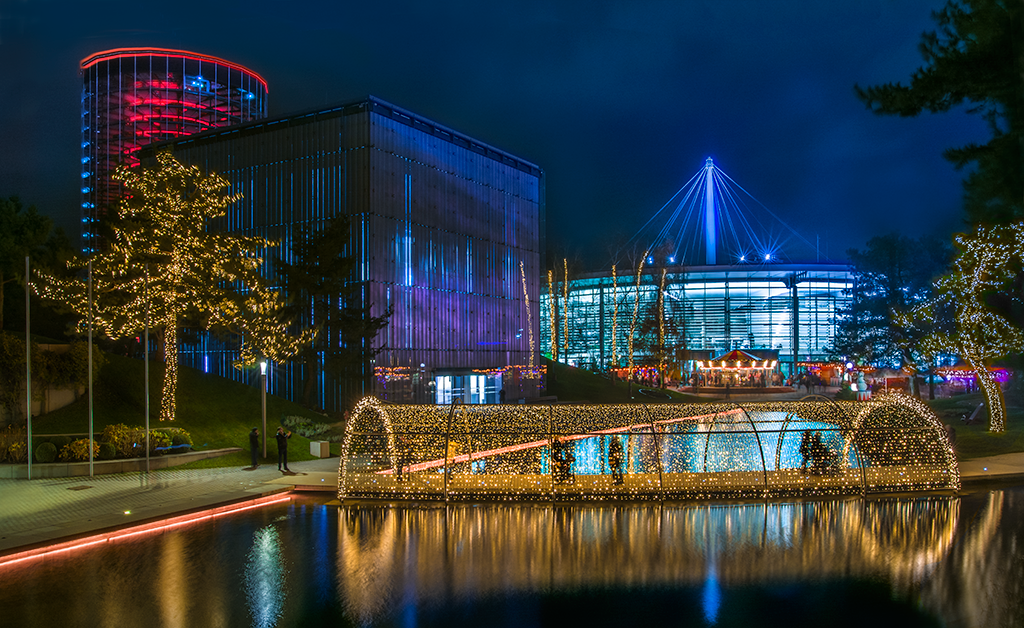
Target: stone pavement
(41, 511)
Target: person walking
(254, 444)
(282, 448)
(805, 449)
(616, 458)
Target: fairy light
(565, 307)
(615, 314)
(191, 271)
(553, 303)
(526, 302)
(985, 265)
(636, 310)
(890, 444)
(661, 325)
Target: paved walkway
(40, 512)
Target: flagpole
(146, 362)
(28, 371)
(90, 371)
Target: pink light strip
(146, 528)
(116, 53)
(433, 464)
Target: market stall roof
(737, 355)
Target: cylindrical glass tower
(136, 96)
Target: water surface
(937, 561)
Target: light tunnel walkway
(812, 447)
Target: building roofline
(117, 53)
(773, 271)
(374, 105)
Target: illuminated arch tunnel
(812, 447)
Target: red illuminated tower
(136, 96)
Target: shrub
(845, 394)
(60, 442)
(46, 452)
(107, 451)
(180, 437)
(157, 438)
(17, 452)
(8, 438)
(122, 438)
(78, 450)
(306, 428)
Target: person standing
(254, 444)
(282, 448)
(616, 458)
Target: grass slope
(572, 384)
(975, 441)
(217, 412)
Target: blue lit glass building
(688, 313)
(447, 232)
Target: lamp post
(263, 403)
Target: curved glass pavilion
(813, 447)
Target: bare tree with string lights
(160, 256)
(989, 261)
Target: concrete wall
(102, 467)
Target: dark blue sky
(619, 102)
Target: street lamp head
(263, 367)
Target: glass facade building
(680, 314)
(132, 97)
(446, 231)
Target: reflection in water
(469, 552)
(712, 595)
(173, 589)
(959, 560)
(264, 578)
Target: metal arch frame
(657, 451)
(757, 436)
(448, 443)
(782, 432)
(855, 429)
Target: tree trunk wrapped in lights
(195, 276)
(989, 261)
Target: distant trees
(893, 274)
(976, 58)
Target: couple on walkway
(282, 447)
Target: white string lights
(716, 450)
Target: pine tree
(975, 59)
(323, 291)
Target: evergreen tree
(323, 291)
(22, 232)
(976, 58)
(893, 274)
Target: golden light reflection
(466, 552)
(173, 590)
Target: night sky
(619, 102)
